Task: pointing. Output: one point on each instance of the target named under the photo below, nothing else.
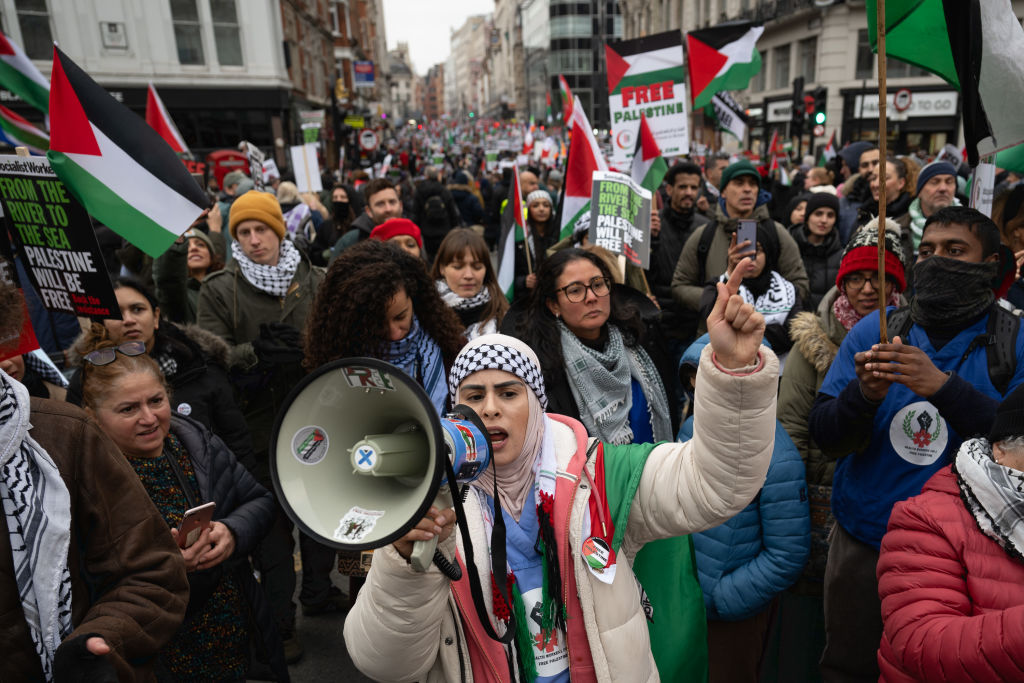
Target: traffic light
(798, 100)
(820, 95)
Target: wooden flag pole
(882, 144)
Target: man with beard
(678, 219)
(936, 189)
(894, 414)
(862, 156)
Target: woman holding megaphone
(555, 523)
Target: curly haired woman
(376, 300)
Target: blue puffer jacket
(760, 552)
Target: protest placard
(306, 168)
(620, 217)
(256, 157)
(53, 235)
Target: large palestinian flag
(118, 167)
(644, 61)
(160, 121)
(19, 75)
(584, 158)
(976, 46)
(723, 57)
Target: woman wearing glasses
(193, 360)
(182, 465)
(816, 339)
(595, 351)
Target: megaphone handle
(423, 551)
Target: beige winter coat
(403, 626)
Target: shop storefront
(918, 118)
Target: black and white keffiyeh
(37, 506)
(498, 352)
(775, 303)
(993, 494)
(467, 304)
(273, 280)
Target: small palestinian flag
(513, 229)
(18, 132)
(976, 46)
(829, 153)
(584, 158)
(723, 57)
(566, 95)
(19, 75)
(118, 167)
(644, 61)
(160, 121)
(649, 167)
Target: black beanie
(819, 200)
(1009, 417)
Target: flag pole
(882, 144)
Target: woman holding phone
(573, 509)
(182, 465)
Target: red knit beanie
(862, 254)
(393, 227)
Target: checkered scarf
(273, 280)
(993, 494)
(37, 505)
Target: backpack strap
(703, 248)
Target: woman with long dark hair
(467, 282)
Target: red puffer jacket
(952, 599)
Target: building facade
(221, 71)
(433, 100)
(467, 83)
(403, 83)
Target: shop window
(225, 32)
(780, 62)
(808, 56)
(187, 32)
(34, 22)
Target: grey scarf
(600, 382)
(993, 494)
(37, 505)
(948, 292)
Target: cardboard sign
(306, 168)
(620, 217)
(53, 235)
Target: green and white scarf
(600, 382)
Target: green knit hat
(740, 168)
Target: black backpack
(435, 212)
(999, 340)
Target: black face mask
(340, 209)
(948, 292)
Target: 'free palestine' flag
(722, 57)
(160, 121)
(649, 167)
(584, 158)
(19, 75)
(646, 76)
(975, 45)
(118, 167)
(18, 132)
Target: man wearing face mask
(895, 413)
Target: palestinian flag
(567, 100)
(649, 167)
(513, 229)
(584, 158)
(160, 121)
(19, 75)
(17, 132)
(547, 96)
(644, 61)
(829, 153)
(118, 167)
(723, 57)
(976, 46)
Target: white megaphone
(358, 456)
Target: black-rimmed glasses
(106, 356)
(577, 291)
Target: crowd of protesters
(824, 505)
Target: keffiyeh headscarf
(273, 280)
(37, 505)
(993, 494)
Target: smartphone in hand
(193, 523)
(747, 231)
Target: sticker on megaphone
(468, 449)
